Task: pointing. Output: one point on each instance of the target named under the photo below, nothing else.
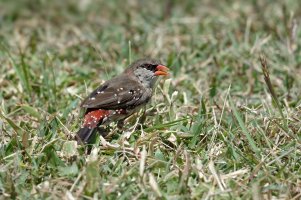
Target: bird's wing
(118, 93)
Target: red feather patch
(93, 118)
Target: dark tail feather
(86, 135)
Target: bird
(120, 97)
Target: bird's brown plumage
(120, 96)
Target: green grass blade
(243, 127)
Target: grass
(225, 125)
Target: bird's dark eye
(150, 67)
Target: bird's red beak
(161, 70)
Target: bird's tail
(86, 135)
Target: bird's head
(148, 70)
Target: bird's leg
(104, 132)
(143, 116)
(120, 124)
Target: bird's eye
(150, 67)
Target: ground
(224, 125)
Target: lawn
(226, 124)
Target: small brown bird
(120, 97)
